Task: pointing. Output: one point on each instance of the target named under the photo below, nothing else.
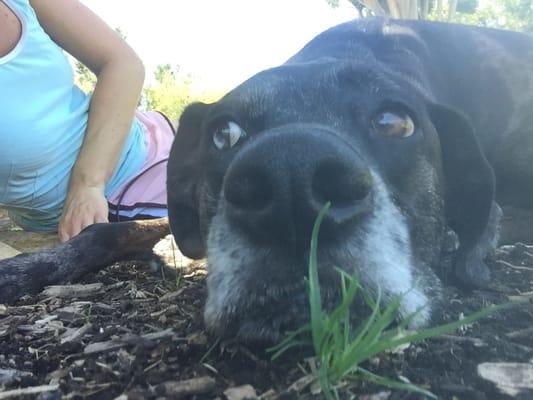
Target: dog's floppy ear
(184, 172)
(469, 185)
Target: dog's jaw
(253, 292)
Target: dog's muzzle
(278, 183)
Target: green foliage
(171, 93)
(467, 6)
(85, 79)
(515, 15)
(167, 94)
(340, 347)
(335, 3)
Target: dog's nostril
(248, 190)
(343, 186)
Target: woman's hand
(84, 206)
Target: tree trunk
(452, 8)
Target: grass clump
(341, 348)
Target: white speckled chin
(385, 258)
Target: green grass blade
(342, 311)
(287, 342)
(347, 317)
(288, 346)
(438, 330)
(390, 383)
(373, 337)
(363, 333)
(359, 352)
(315, 301)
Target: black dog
(403, 125)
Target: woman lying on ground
(68, 159)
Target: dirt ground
(130, 333)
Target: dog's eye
(390, 124)
(227, 135)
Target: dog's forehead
(323, 84)
(322, 75)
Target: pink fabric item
(145, 195)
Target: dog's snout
(347, 185)
(341, 183)
(275, 188)
(249, 189)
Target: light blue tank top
(43, 117)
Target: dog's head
(248, 175)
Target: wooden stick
(189, 387)
(17, 393)
(66, 291)
(99, 347)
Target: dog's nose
(343, 183)
(276, 186)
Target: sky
(221, 42)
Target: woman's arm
(120, 75)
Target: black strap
(130, 183)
